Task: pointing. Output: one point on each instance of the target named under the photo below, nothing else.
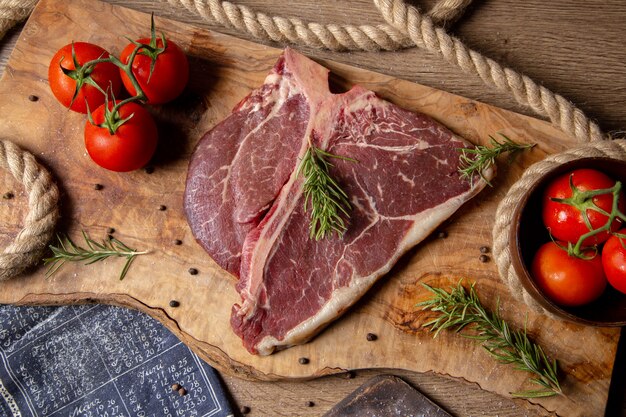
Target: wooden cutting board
(224, 70)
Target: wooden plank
(225, 70)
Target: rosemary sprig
(68, 251)
(459, 309)
(322, 193)
(476, 160)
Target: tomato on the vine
(64, 74)
(163, 81)
(566, 222)
(614, 261)
(130, 147)
(568, 280)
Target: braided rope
(43, 196)
(422, 30)
(446, 12)
(295, 31)
(12, 12)
(425, 34)
(609, 148)
(331, 36)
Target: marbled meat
(244, 198)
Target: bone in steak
(244, 199)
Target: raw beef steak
(244, 199)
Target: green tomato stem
(112, 120)
(582, 200)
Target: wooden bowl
(528, 234)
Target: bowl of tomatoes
(568, 241)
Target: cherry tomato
(63, 86)
(132, 145)
(567, 280)
(614, 261)
(565, 222)
(169, 76)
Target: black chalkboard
(100, 361)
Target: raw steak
(245, 205)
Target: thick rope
(425, 34)
(295, 31)
(504, 214)
(447, 12)
(331, 36)
(12, 12)
(422, 30)
(27, 248)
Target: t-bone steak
(244, 198)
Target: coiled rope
(12, 12)
(407, 26)
(43, 198)
(329, 36)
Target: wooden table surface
(574, 47)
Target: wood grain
(379, 309)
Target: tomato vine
(120, 135)
(582, 200)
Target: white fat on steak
(244, 199)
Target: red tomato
(614, 261)
(169, 76)
(63, 86)
(132, 145)
(566, 222)
(567, 280)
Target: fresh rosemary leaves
(68, 251)
(476, 160)
(459, 309)
(328, 202)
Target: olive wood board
(225, 69)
